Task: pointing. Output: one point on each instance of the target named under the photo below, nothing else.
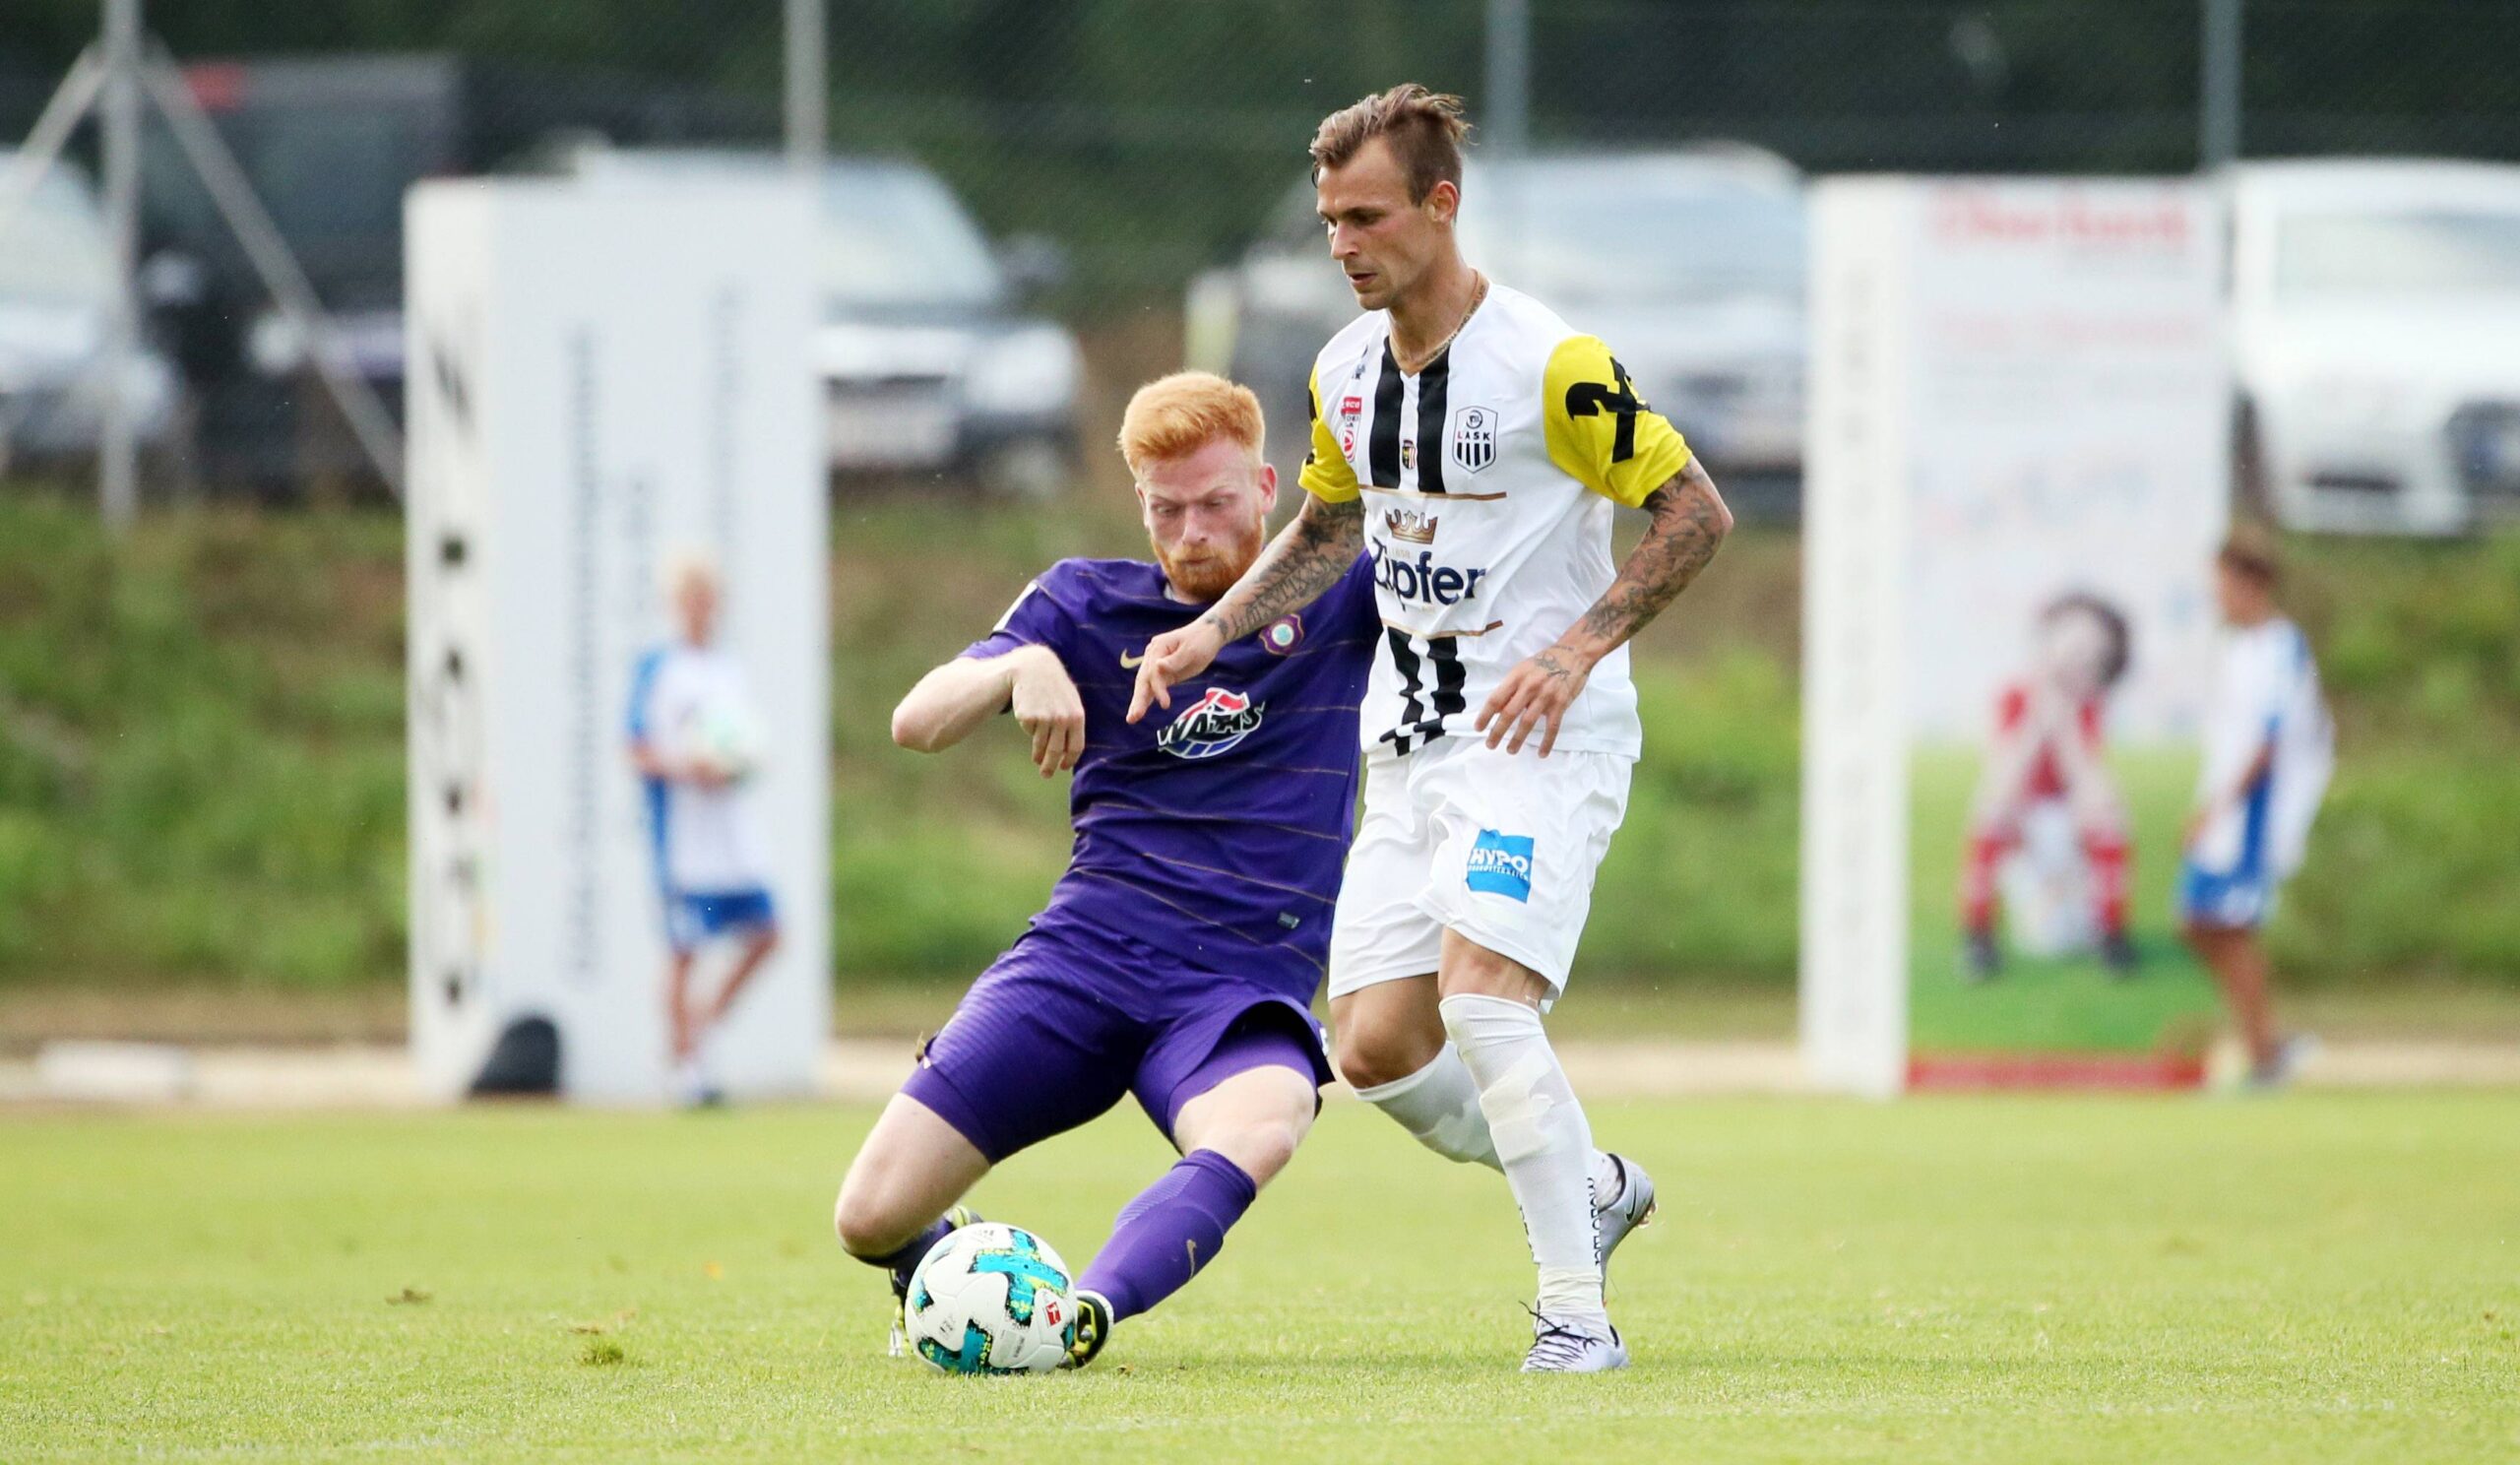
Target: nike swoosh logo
(1128, 660)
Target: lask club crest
(1473, 437)
(1212, 724)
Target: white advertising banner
(2018, 396)
(602, 382)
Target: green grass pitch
(2311, 1278)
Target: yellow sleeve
(1327, 474)
(1600, 431)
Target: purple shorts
(1066, 1022)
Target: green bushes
(201, 747)
(201, 754)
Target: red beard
(1211, 573)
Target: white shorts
(1500, 849)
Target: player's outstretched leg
(1393, 1053)
(899, 1199)
(1234, 1137)
(1546, 1145)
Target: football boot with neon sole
(1089, 1330)
(955, 1220)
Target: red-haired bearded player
(2047, 748)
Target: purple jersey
(1213, 832)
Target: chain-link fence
(1124, 146)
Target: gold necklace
(1477, 294)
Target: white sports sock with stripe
(1543, 1143)
(1438, 1104)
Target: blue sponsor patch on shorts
(1502, 865)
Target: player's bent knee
(1261, 1148)
(868, 1224)
(1370, 1056)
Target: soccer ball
(990, 1298)
(727, 743)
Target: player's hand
(1044, 699)
(1170, 659)
(707, 775)
(1533, 695)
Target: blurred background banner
(610, 375)
(2018, 484)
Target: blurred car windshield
(54, 252)
(2443, 251)
(895, 238)
(1659, 233)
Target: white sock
(1543, 1143)
(1439, 1104)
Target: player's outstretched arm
(1689, 522)
(1306, 558)
(956, 697)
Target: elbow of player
(1719, 520)
(911, 729)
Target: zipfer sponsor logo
(1502, 865)
(1212, 724)
(1423, 581)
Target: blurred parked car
(2376, 317)
(329, 145)
(1689, 263)
(929, 362)
(56, 295)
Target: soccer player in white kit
(2269, 750)
(689, 725)
(1473, 445)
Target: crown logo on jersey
(1417, 529)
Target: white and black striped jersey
(1488, 480)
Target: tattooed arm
(1306, 558)
(1689, 522)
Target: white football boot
(1573, 1348)
(1632, 1208)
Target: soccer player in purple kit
(1179, 956)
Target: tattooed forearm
(1689, 522)
(1306, 558)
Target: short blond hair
(685, 564)
(1173, 417)
(1425, 129)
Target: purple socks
(1174, 1228)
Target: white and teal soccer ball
(991, 1299)
(729, 742)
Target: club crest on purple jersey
(1282, 635)
(1211, 725)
